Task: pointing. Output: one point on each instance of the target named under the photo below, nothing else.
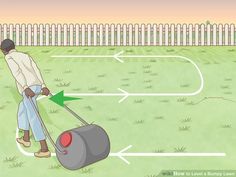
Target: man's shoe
(23, 142)
(41, 154)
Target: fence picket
(118, 34)
(154, 34)
(71, 31)
(112, 34)
(214, 35)
(95, 34)
(184, 35)
(160, 34)
(17, 34)
(232, 34)
(53, 33)
(77, 35)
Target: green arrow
(59, 98)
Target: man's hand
(45, 91)
(29, 93)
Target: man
(29, 83)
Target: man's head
(7, 45)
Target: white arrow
(124, 93)
(121, 154)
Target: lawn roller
(78, 147)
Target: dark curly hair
(7, 45)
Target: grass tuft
(54, 111)
(58, 79)
(170, 50)
(180, 149)
(226, 126)
(184, 85)
(186, 120)
(54, 167)
(139, 122)
(10, 159)
(88, 108)
(138, 100)
(112, 119)
(165, 101)
(101, 75)
(159, 151)
(63, 84)
(159, 118)
(67, 71)
(86, 170)
(184, 128)
(225, 87)
(182, 99)
(16, 165)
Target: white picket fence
(119, 35)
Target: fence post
(59, 35)
(166, 34)
(232, 28)
(112, 34)
(89, 32)
(208, 34)
(143, 30)
(226, 29)
(11, 28)
(190, 34)
(23, 29)
(214, 35)
(220, 34)
(178, 34)
(35, 35)
(196, 40)
(124, 35)
(184, 34)
(106, 34)
(95, 34)
(202, 34)
(71, 29)
(160, 35)
(29, 35)
(136, 34)
(130, 35)
(47, 30)
(41, 37)
(65, 35)
(148, 37)
(101, 34)
(118, 27)
(172, 35)
(53, 33)
(5, 34)
(154, 34)
(83, 28)
(17, 34)
(77, 38)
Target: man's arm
(16, 72)
(38, 73)
(45, 90)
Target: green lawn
(150, 124)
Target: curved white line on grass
(126, 94)
(122, 154)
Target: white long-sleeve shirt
(24, 70)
